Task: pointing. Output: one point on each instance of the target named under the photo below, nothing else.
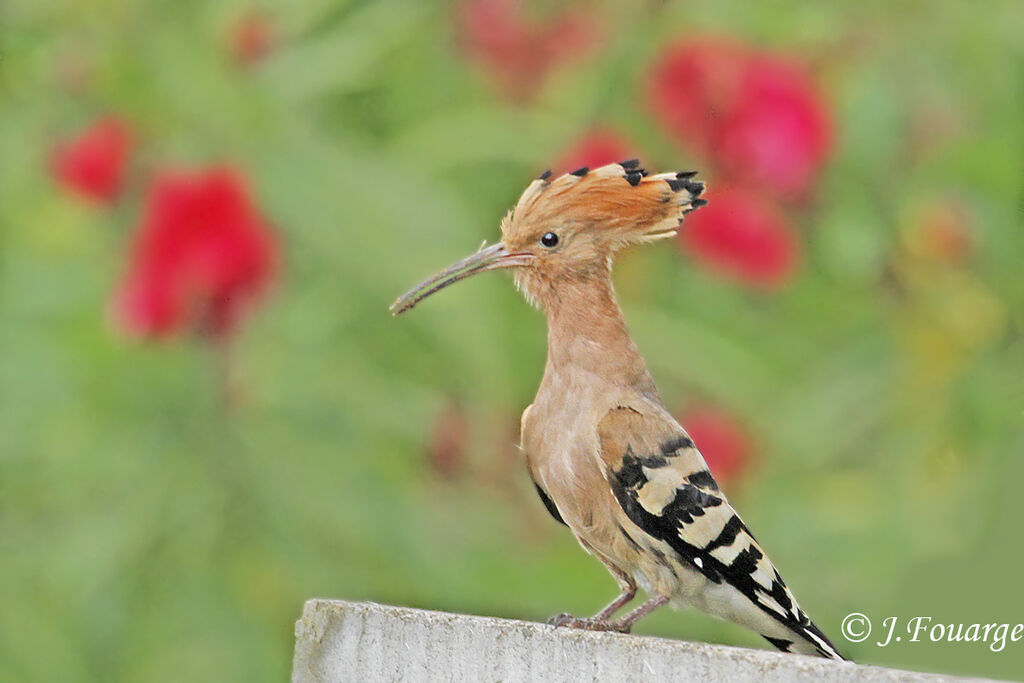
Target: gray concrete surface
(366, 642)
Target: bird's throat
(587, 334)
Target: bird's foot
(591, 624)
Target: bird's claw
(569, 621)
(561, 619)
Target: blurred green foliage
(149, 532)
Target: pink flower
(92, 164)
(597, 148)
(201, 256)
(742, 236)
(520, 52)
(721, 439)
(759, 116)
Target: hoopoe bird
(606, 457)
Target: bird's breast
(562, 448)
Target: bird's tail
(810, 641)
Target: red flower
(251, 37)
(92, 165)
(779, 133)
(446, 450)
(693, 86)
(520, 52)
(941, 231)
(758, 115)
(743, 236)
(721, 439)
(598, 147)
(201, 255)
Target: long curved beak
(488, 258)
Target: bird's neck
(587, 334)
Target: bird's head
(572, 226)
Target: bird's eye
(549, 239)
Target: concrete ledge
(361, 641)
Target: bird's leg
(599, 622)
(625, 623)
(627, 591)
(622, 625)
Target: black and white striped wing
(665, 488)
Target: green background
(149, 532)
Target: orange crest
(619, 198)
